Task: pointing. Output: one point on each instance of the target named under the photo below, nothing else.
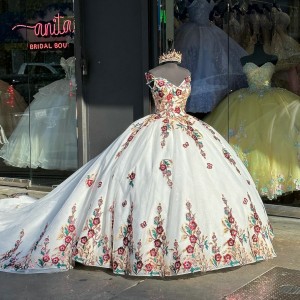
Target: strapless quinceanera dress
(262, 124)
(168, 197)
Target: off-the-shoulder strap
(149, 79)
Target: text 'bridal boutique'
(169, 196)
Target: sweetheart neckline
(177, 86)
(252, 63)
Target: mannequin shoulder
(170, 71)
(185, 71)
(259, 60)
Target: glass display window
(38, 120)
(244, 59)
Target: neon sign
(59, 26)
(46, 46)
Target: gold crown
(171, 55)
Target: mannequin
(169, 69)
(259, 56)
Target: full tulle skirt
(46, 134)
(168, 197)
(264, 129)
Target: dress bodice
(69, 66)
(169, 99)
(199, 11)
(259, 78)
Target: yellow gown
(262, 124)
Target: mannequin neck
(259, 56)
(171, 71)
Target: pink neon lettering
(60, 45)
(54, 28)
(41, 46)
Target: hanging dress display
(211, 56)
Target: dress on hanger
(284, 46)
(260, 26)
(266, 30)
(51, 142)
(262, 124)
(168, 197)
(233, 28)
(211, 56)
(288, 51)
(12, 104)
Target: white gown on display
(169, 196)
(46, 135)
(212, 57)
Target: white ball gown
(168, 197)
(46, 135)
(211, 56)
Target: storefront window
(38, 126)
(244, 57)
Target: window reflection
(37, 89)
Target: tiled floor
(276, 284)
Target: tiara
(171, 55)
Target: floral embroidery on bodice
(259, 78)
(199, 11)
(169, 99)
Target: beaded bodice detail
(169, 98)
(69, 66)
(199, 11)
(259, 78)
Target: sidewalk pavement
(96, 283)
